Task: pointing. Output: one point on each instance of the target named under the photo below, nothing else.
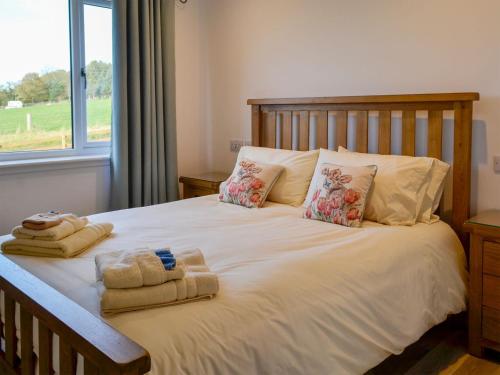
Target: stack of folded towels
(54, 234)
(141, 279)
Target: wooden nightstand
(484, 282)
(202, 184)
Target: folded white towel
(69, 225)
(67, 247)
(198, 283)
(194, 286)
(141, 267)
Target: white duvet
(296, 296)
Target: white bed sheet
(296, 296)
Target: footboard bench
(105, 350)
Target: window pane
(35, 102)
(98, 66)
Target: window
(97, 28)
(55, 85)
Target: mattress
(296, 296)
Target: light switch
(496, 164)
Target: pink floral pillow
(249, 183)
(340, 194)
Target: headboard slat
(264, 130)
(321, 128)
(269, 131)
(408, 147)
(286, 130)
(340, 129)
(304, 131)
(362, 131)
(435, 134)
(384, 132)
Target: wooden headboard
(285, 123)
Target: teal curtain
(144, 152)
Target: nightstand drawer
(192, 192)
(203, 184)
(491, 258)
(491, 291)
(491, 324)
(484, 282)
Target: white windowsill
(51, 164)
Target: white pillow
(399, 186)
(298, 168)
(432, 196)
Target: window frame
(81, 81)
(81, 145)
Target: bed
(297, 296)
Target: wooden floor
(441, 351)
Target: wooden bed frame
(105, 350)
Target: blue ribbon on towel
(163, 252)
(167, 258)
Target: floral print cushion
(249, 184)
(340, 194)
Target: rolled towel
(142, 267)
(69, 225)
(67, 247)
(191, 257)
(154, 272)
(42, 221)
(200, 284)
(122, 270)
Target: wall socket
(496, 164)
(236, 144)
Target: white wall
(193, 133)
(291, 48)
(81, 190)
